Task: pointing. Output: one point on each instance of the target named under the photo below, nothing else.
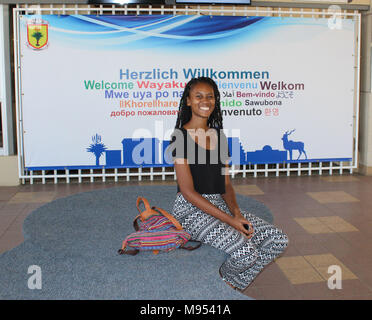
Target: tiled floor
(328, 221)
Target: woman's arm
(185, 182)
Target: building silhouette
(150, 152)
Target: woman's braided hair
(184, 114)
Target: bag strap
(135, 223)
(148, 212)
(130, 252)
(179, 227)
(190, 248)
(169, 217)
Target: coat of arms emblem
(37, 34)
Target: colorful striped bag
(156, 230)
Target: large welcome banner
(104, 90)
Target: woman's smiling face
(201, 100)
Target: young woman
(205, 204)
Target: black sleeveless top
(207, 166)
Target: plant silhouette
(97, 147)
(37, 35)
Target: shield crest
(37, 35)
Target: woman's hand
(238, 222)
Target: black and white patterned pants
(247, 256)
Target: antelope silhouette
(293, 145)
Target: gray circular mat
(74, 241)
